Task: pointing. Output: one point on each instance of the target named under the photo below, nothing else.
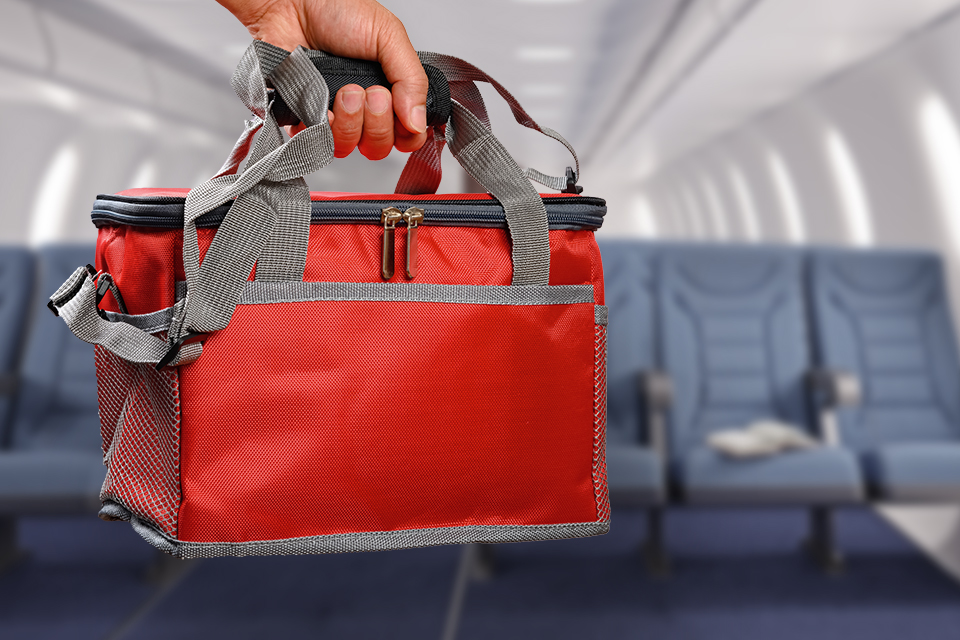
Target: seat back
(57, 400)
(884, 316)
(16, 288)
(628, 282)
(734, 338)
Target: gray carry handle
(269, 221)
(339, 72)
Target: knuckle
(348, 126)
(378, 131)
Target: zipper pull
(413, 217)
(389, 217)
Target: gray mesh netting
(140, 425)
(600, 424)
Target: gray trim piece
(356, 542)
(276, 292)
(389, 540)
(113, 511)
(179, 290)
(154, 537)
(147, 322)
(600, 315)
(260, 292)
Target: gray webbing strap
(488, 162)
(76, 302)
(461, 76)
(285, 255)
(148, 322)
(268, 192)
(423, 170)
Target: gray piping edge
(260, 292)
(600, 315)
(276, 292)
(366, 541)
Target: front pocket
(332, 408)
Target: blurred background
(792, 124)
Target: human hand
(374, 120)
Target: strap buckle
(572, 186)
(174, 351)
(65, 296)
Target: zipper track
(166, 212)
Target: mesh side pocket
(600, 424)
(140, 425)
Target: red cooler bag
(281, 372)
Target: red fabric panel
(145, 262)
(388, 416)
(448, 255)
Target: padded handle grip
(339, 72)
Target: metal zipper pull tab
(413, 217)
(389, 217)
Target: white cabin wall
(874, 109)
(108, 112)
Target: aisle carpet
(738, 574)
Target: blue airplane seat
(884, 316)
(736, 346)
(16, 287)
(53, 460)
(635, 472)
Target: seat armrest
(836, 389)
(833, 390)
(656, 389)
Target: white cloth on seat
(761, 438)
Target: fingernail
(418, 118)
(378, 101)
(352, 101)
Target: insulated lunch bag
(286, 372)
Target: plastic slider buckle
(572, 186)
(174, 350)
(91, 272)
(103, 285)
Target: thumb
(404, 71)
